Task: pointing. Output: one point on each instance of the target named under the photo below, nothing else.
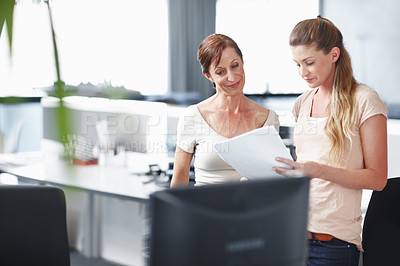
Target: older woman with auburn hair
(226, 114)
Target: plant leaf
(6, 17)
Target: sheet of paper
(253, 153)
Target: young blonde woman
(341, 142)
(226, 114)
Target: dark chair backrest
(33, 228)
(381, 230)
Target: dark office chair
(33, 228)
(381, 231)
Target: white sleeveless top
(194, 135)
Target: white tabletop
(112, 180)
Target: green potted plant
(6, 24)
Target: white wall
(371, 34)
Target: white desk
(110, 181)
(117, 182)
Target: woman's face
(314, 66)
(228, 75)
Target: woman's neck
(230, 103)
(320, 103)
(324, 92)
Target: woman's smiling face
(228, 75)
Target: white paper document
(253, 154)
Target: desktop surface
(114, 180)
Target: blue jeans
(333, 252)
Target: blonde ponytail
(324, 35)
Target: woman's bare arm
(181, 168)
(374, 175)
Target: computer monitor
(259, 222)
(137, 126)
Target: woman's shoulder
(272, 119)
(304, 96)
(368, 102)
(263, 115)
(189, 113)
(301, 99)
(191, 109)
(364, 94)
(258, 109)
(363, 90)
(206, 106)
